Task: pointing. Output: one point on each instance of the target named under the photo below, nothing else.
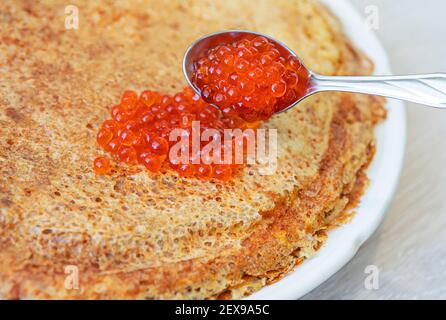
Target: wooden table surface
(409, 248)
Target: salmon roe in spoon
(250, 78)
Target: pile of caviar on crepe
(139, 130)
(250, 78)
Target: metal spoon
(426, 89)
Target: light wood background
(409, 248)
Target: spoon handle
(427, 89)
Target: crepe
(66, 233)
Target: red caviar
(101, 165)
(139, 131)
(250, 78)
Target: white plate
(344, 242)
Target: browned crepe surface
(136, 235)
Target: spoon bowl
(200, 47)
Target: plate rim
(384, 173)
